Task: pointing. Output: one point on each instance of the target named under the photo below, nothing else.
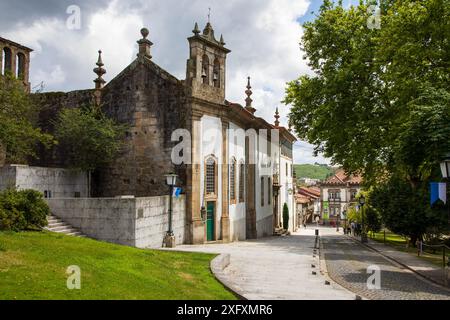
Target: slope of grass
(400, 243)
(312, 171)
(33, 266)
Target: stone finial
(196, 30)
(99, 71)
(248, 101)
(208, 32)
(222, 41)
(277, 118)
(144, 44)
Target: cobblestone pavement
(347, 263)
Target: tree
(285, 217)
(355, 108)
(19, 134)
(405, 210)
(88, 138)
(378, 102)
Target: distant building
(307, 204)
(308, 181)
(337, 194)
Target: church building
(237, 171)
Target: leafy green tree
(88, 138)
(405, 210)
(358, 106)
(378, 102)
(19, 134)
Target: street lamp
(171, 180)
(445, 169)
(362, 202)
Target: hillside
(313, 171)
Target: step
(61, 228)
(55, 224)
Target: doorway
(210, 221)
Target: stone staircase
(280, 232)
(57, 225)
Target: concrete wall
(138, 222)
(61, 183)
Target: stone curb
(218, 265)
(417, 273)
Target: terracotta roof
(311, 191)
(342, 178)
(299, 198)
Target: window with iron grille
(269, 185)
(233, 180)
(241, 182)
(210, 176)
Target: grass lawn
(33, 266)
(399, 243)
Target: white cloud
(264, 38)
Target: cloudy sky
(263, 35)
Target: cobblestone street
(347, 263)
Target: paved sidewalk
(276, 268)
(421, 266)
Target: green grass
(312, 171)
(33, 266)
(398, 242)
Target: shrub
(286, 217)
(21, 210)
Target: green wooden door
(211, 209)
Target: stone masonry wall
(138, 222)
(152, 103)
(61, 183)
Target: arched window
(210, 180)
(216, 73)
(233, 180)
(269, 190)
(205, 69)
(262, 192)
(20, 66)
(241, 181)
(7, 61)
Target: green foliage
(379, 102)
(22, 210)
(285, 217)
(88, 138)
(18, 118)
(405, 210)
(373, 87)
(312, 171)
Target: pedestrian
(352, 226)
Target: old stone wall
(50, 105)
(53, 182)
(152, 103)
(138, 222)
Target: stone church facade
(231, 186)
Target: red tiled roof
(342, 178)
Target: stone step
(59, 226)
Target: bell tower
(206, 67)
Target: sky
(264, 37)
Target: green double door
(210, 221)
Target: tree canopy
(88, 138)
(373, 88)
(19, 132)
